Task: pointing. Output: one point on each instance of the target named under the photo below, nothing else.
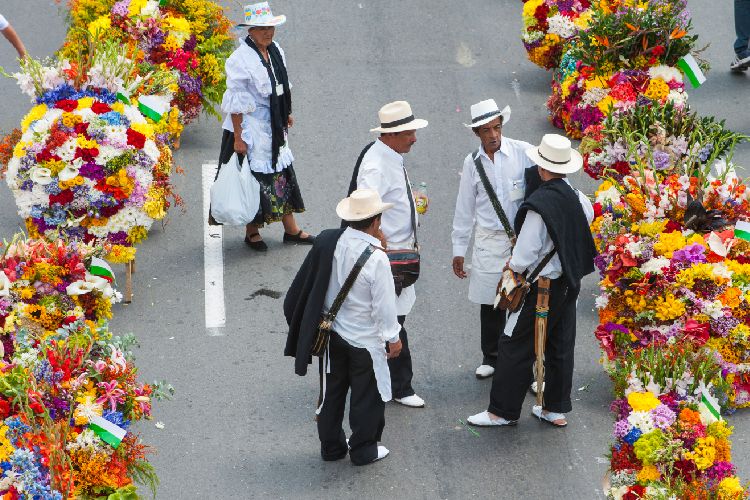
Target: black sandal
(298, 239)
(258, 246)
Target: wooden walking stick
(540, 335)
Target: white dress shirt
(506, 175)
(249, 94)
(3, 23)
(367, 318)
(534, 243)
(382, 169)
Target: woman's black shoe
(297, 238)
(258, 246)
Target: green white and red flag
(99, 267)
(692, 70)
(742, 230)
(110, 433)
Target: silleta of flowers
(86, 163)
(626, 58)
(68, 387)
(188, 38)
(669, 438)
(549, 25)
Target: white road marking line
(213, 261)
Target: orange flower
(731, 297)
(690, 417)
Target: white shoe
(484, 420)
(549, 417)
(412, 401)
(484, 371)
(382, 453)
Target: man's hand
(393, 349)
(383, 242)
(458, 267)
(240, 146)
(290, 122)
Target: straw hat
(486, 111)
(361, 204)
(556, 155)
(397, 117)
(259, 14)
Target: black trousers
(515, 360)
(492, 323)
(400, 367)
(351, 368)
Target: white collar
(360, 235)
(387, 151)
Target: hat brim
(505, 113)
(275, 21)
(415, 124)
(570, 167)
(345, 212)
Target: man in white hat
(554, 243)
(491, 190)
(381, 167)
(356, 358)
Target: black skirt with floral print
(279, 192)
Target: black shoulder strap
(493, 198)
(347, 286)
(413, 211)
(353, 182)
(541, 266)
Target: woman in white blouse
(258, 105)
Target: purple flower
(621, 429)
(722, 326)
(693, 254)
(663, 416)
(661, 160)
(121, 8)
(720, 470)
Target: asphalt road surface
(241, 425)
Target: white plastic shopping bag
(235, 196)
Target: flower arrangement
(190, 39)
(675, 138)
(68, 387)
(550, 25)
(86, 165)
(670, 440)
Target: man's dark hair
(361, 225)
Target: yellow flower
(6, 449)
(606, 104)
(119, 254)
(35, 114)
(119, 107)
(19, 149)
(137, 234)
(648, 473)
(652, 229)
(704, 453)
(144, 128)
(730, 488)
(669, 308)
(657, 90)
(643, 401)
(136, 6)
(85, 102)
(86, 143)
(529, 8)
(668, 243)
(100, 27)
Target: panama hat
(486, 111)
(556, 155)
(361, 204)
(259, 14)
(397, 117)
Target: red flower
(82, 129)
(45, 155)
(658, 50)
(672, 226)
(635, 492)
(100, 108)
(87, 154)
(697, 332)
(67, 105)
(597, 210)
(5, 408)
(136, 139)
(63, 197)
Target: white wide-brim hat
(556, 154)
(486, 111)
(259, 14)
(360, 205)
(398, 117)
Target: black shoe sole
(258, 246)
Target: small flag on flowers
(109, 433)
(99, 267)
(124, 97)
(153, 106)
(742, 230)
(709, 406)
(692, 70)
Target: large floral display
(549, 25)
(68, 387)
(187, 38)
(672, 227)
(87, 165)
